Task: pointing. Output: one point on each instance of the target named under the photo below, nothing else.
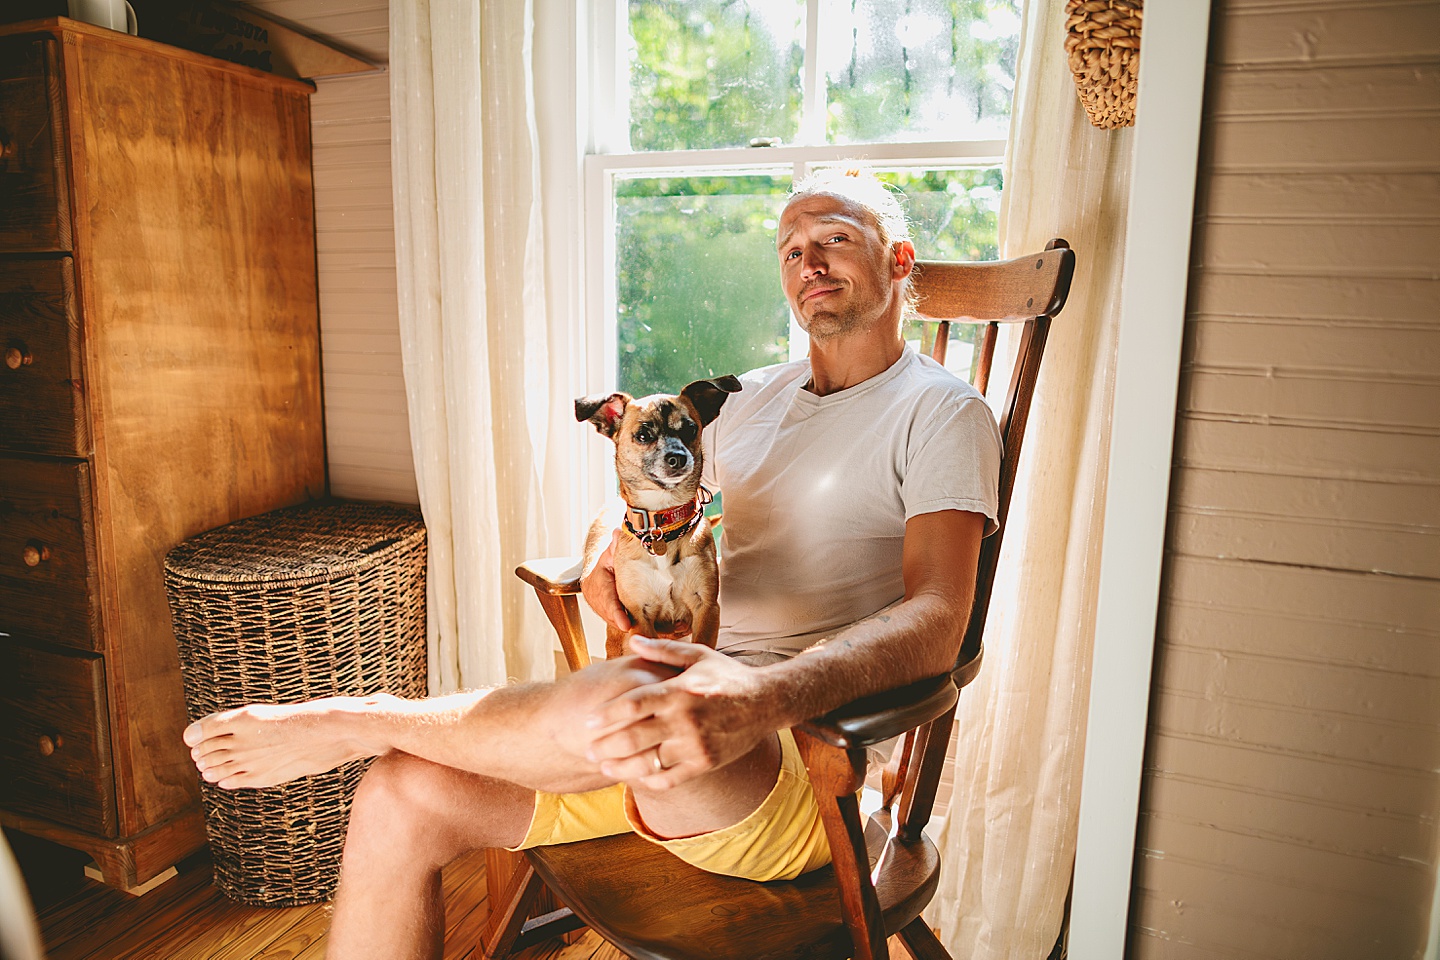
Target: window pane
(918, 69)
(697, 279)
(714, 73)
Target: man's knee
(398, 790)
(406, 803)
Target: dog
(665, 568)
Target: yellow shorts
(782, 839)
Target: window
(706, 110)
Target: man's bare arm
(718, 709)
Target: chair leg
(505, 926)
(921, 943)
(835, 776)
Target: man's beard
(826, 324)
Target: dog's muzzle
(675, 461)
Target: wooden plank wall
(1292, 777)
(366, 423)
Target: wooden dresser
(161, 377)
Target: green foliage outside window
(714, 73)
(717, 73)
(698, 284)
(699, 280)
(919, 69)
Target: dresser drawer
(47, 553)
(34, 180)
(54, 738)
(42, 407)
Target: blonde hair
(865, 190)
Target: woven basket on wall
(313, 601)
(1102, 41)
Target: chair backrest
(1029, 291)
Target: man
(858, 485)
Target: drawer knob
(18, 355)
(35, 553)
(48, 745)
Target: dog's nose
(676, 460)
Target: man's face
(836, 271)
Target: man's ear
(708, 396)
(604, 410)
(904, 260)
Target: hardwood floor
(189, 919)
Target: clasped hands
(713, 710)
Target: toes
(210, 761)
(217, 769)
(208, 728)
(244, 780)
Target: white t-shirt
(817, 491)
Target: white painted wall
(367, 429)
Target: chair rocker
(655, 907)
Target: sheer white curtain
(473, 325)
(1008, 842)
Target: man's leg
(523, 738)
(409, 819)
(531, 734)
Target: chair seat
(655, 906)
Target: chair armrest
(882, 716)
(554, 576)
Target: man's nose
(812, 263)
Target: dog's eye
(686, 431)
(644, 435)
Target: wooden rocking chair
(652, 905)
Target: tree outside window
(696, 278)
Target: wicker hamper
(318, 600)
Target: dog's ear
(604, 410)
(708, 396)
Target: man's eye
(792, 254)
(838, 236)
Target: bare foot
(263, 744)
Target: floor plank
(190, 919)
(257, 931)
(84, 923)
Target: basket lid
(313, 540)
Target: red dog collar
(655, 528)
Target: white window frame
(609, 158)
